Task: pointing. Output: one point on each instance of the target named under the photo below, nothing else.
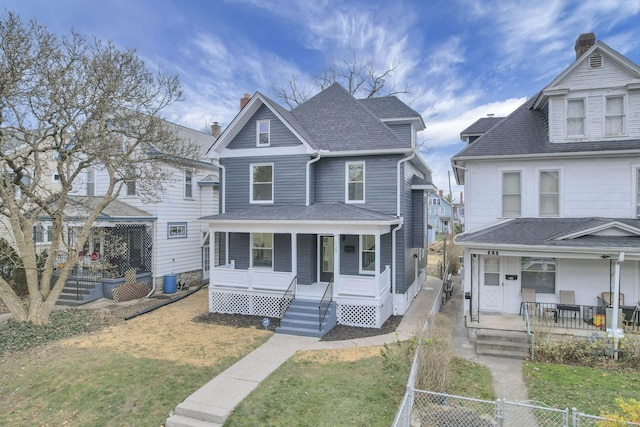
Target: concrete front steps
(500, 343)
(302, 318)
(78, 292)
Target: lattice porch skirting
(350, 311)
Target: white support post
(294, 254)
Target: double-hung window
(367, 254)
(262, 250)
(261, 183)
(614, 116)
(263, 133)
(549, 193)
(177, 230)
(91, 182)
(130, 182)
(188, 184)
(354, 172)
(575, 117)
(511, 197)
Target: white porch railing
(226, 276)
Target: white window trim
(360, 252)
(539, 170)
(91, 179)
(624, 115)
(258, 123)
(635, 184)
(501, 173)
(273, 253)
(178, 226)
(184, 186)
(566, 118)
(346, 182)
(261, 202)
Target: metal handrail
(525, 313)
(322, 315)
(290, 290)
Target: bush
(11, 268)
(588, 351)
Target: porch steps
(301, 318)
(500, 343)
(87, 292)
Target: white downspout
(223, 187)
(153, 261)
(393, 234)
(308, 184)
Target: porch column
(378, 271)
(213, 254)
(336, 261)
(294, 254)
(475, 288)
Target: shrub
(398, 356)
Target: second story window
(575, 117)
(354, 182)
(549, 193)
(614, 116)
(91, 182)
(261, 188)
(511, 194)
(188, 184)
(263, 133)
(130, 182)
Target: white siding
(588, 187)
(584, 78)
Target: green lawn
(590, 390)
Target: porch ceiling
(558, 234)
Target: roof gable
(602, 228)
(245, 115)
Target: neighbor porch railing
(325, 303)
(573, 316)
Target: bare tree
(360, 77)
(68, 104)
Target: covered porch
(260, 266)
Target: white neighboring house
(553, 192)
(161, 237)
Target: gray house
(322, 211)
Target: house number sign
(492, 252)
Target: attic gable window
(263, 133)
(614, 116)
(575, 117)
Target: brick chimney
(244, 100)
(215, 130)
(441, 193)
(583, 43)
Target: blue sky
(463, 59)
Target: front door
(326, 258)
(491, 289)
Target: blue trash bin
(169, 283)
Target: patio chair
(607, 298)
(567, 303)
(529, 298)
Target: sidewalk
(215, 401)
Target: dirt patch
(170, 333)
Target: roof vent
(595, 61)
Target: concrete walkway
(213, 403)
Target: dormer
(595, 98)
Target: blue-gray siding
(282, 252)
(239, 249)
(403, 131)
(380, 181)
(417, 218)
(220, 249)
(280, 135)
(349, 260)
(289, 187)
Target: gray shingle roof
(549, 231)
(117, 210)
(523, 132)
(389, 107)
(338, 212)
(291, 119)
(336, 121)
(481, 125)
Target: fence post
(499, 415)
(574, 417)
